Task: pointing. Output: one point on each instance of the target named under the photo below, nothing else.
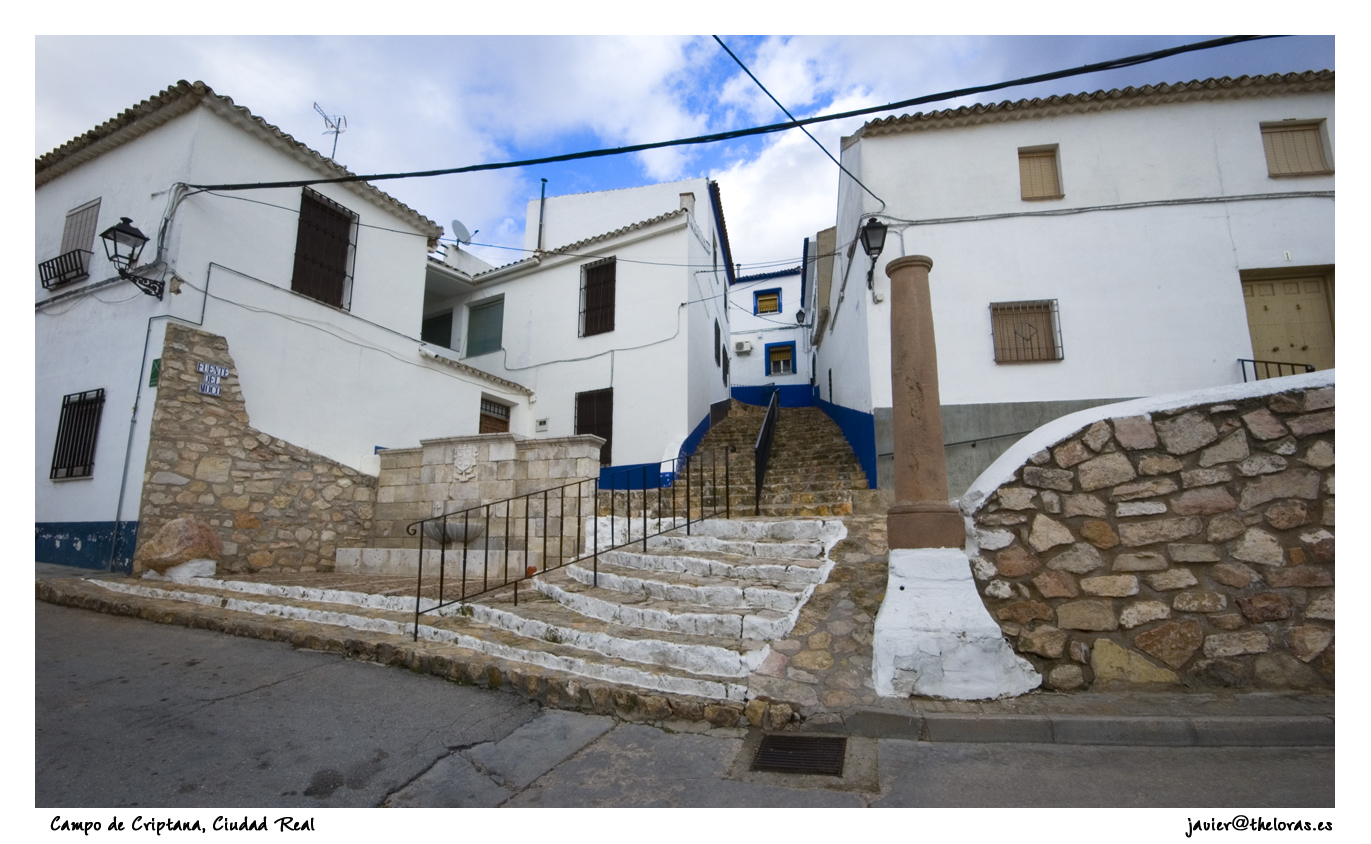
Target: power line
(792, 120)
(1113, 64)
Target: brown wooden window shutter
(597, 297)
(1038, 173)
(323, 249)
(1294, 150)
(1026, 331)
(595, 415)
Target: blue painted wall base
(651, 475)
(860, 430)
(85, 544)
(792, 395)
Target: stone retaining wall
(276, 506)
(1187, 546)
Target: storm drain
(791, 754)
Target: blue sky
(429, 102)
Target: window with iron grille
(494, 417)
(78, 243)
(595, 415)
(324, 247)
(1038, 177)
(597, 297)
(77, 427)
(485, 327)
(1026, 331)
(718, 344)
(1294, 149)
(725, 370)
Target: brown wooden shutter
(322, 248)
(1294, 150)
(1025, 331)
(1038, 174)
(597, 298)
(595, 415)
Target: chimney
(688, 202)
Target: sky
(431, 102)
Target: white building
(770, 344)
(1086, 249)
(616, 320)
(318, 290)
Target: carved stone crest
(464, 463)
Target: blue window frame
(767, 301)
(780, 358)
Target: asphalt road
(135, 714)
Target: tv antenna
(337, 125)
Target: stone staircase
(681, 625)
(812, 471)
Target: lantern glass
(873, 237)
(123, 243)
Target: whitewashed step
(689, 589)
(718, 564)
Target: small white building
(616, 320)
(318, 290)
(1086, 249)
(770, 344)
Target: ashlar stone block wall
(276, 506)
(457, 473)
(1191, 547)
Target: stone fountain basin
(455, 530)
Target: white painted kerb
(934, 636)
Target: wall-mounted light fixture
(123, 245)
(873, 241)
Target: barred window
(1294, 149)
(1026, 331)
(597, 297)
(77, 428)
(1038, 177)
(78, 243)
(324, 245)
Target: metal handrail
(1266, 368)
(762, 451)
(474, 524)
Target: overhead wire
(1112, 64)
(792, 120)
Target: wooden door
(1291, 320)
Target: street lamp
(873, 241)
(123, 245)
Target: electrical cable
(801, 128)
(1113, 64)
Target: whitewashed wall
(579, 216)
(339, 383)
(1150, 299)
(764, 329)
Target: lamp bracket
(150, 286)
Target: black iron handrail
(1295, 368)
(544, 516)
(67, 267)
(762, 451)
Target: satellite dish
(460, 232)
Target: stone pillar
(922, 516)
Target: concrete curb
(1135, 731)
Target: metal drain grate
(788, 754)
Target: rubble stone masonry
(1192, 546)
(276, 506)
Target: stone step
(703, 667)
(718, 565)
(655, 614)
(683, 587)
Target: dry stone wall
(1189, 547)
(276, 506)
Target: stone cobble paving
(824, 665)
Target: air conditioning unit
(742, 347)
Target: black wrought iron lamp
(123, 245)
(873, 241)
